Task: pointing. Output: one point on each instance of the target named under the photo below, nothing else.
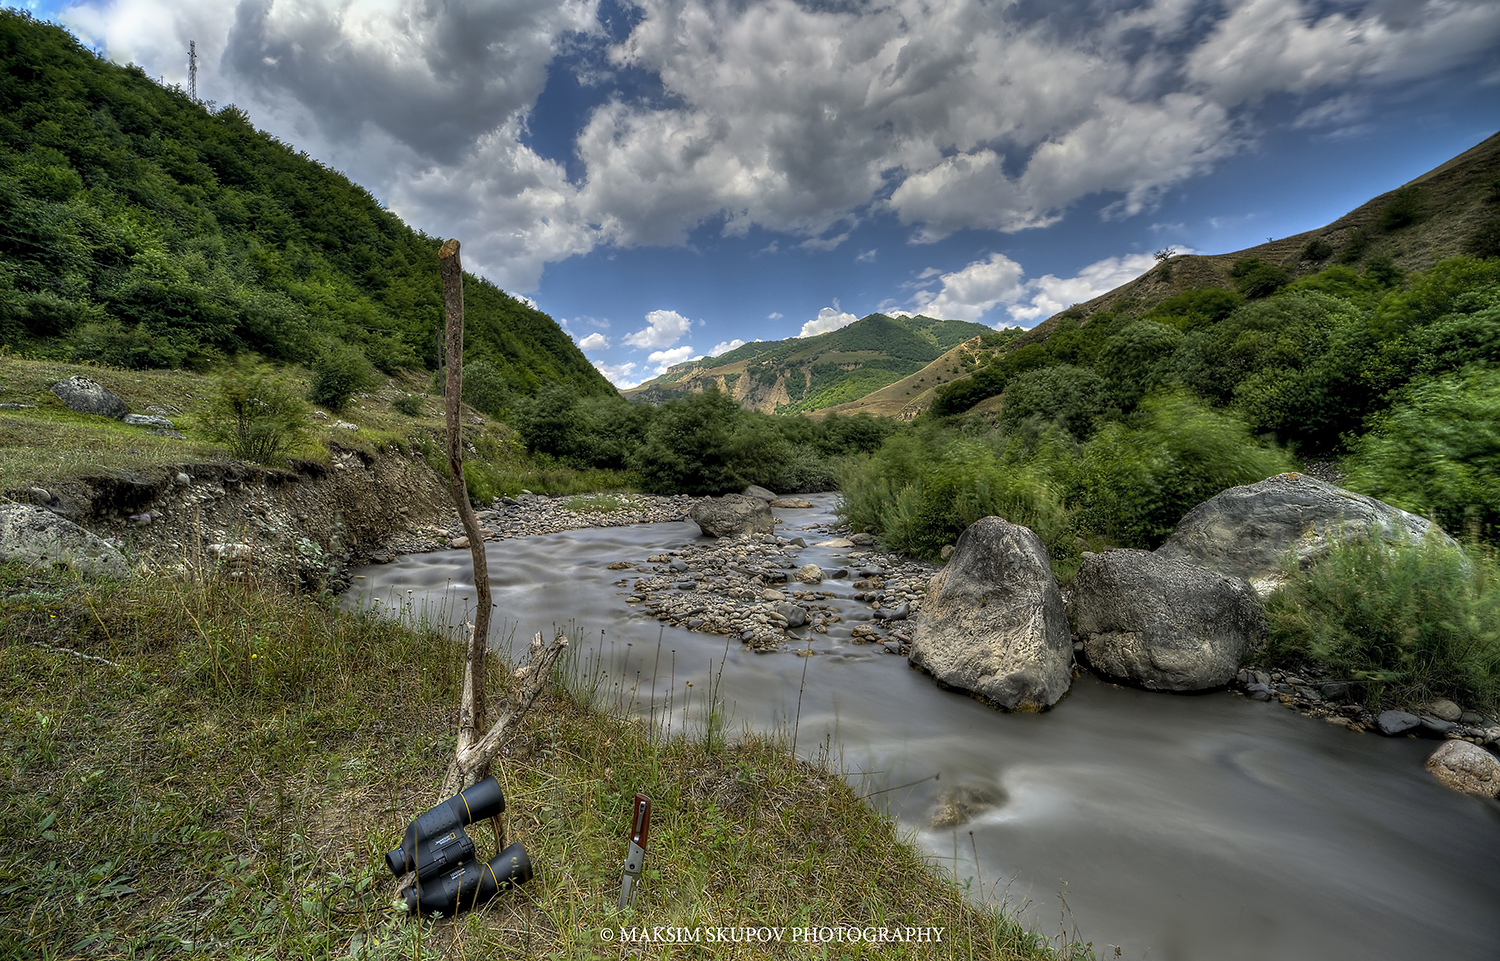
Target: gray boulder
(148, 420)
(90, 397)
(993, 622)
(795, 614)
(792, 503)
(733, 515)
(1161, 623)
(1466, 767)
(1246, 531)
(759, 493)
(1396, 723)
(39, 538)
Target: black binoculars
(441, 853)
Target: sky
(671, 178)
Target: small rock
(1472, 719)
(319, 415)
(894, 614)
(797, 542)
(946, 552)
(1466, 767)
(836, 542)
(835, 573)
(1435, 727)
(459, 542)
(810, 574)
(791, 503)
(619, 566)
(183, 479)
(770, 595)
(141, 519)
(1443, 708)
(1394, 723)
(1258, 692)
(39, 496)
(147, 420)
(795, 615)
(1335, 690)
(344, 425)
(381, 558)
(862, 539)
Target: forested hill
(141, 229)
(812, 373)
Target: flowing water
(1207, 827)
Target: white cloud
(969, 294)
(661, 360)
(774, 315)
(866, 257)
(619, 374)
(1050, 294)
(725, 346)
(984, 285)
(594, 341)
(800, 118)
(663, 328)
(829, 318)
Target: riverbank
(199, 767)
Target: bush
(1405, 622)
(408, 404)
(338, 375)
(1255, 278)
(485, 388)
(1437, 452)
(259, 417)
(1317, 250)
(1403, 209)
(1066, 396)
(690, 448)
(1137, 479)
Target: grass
(1405, 622)
(199, 768)
(49, 443)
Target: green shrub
(485, 388)
(1066, 396)
(1255, 278)
(690, 447)
(1484, 240)
(338, 375)
(1137, 479)
(1437, 451)
(259, 417)
(1405, 622)
(1317, 250)
(1403, 209)
(408, 404)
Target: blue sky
(669, 177)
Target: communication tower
(193, 70)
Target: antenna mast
(193, 70)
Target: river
(1177, 827)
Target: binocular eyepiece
(449, 876)
(436, 840)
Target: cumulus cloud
(619, 374)
(829, 318)
(996, 282)
(663, 328)
(594, 341)
(970, 293)
(1050, 294)
(661, 360)
(725, 346)
(805, 119)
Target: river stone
(994, 622)
(1161, 623)
(810, 574)
(1443, 708)
(1246, 531)
(795, 614)
(759, 493)
(733, 515)
(791, 503)
(835, 542)
(37, 537)
(1394, 723)
(90, 397)
(1466, 767)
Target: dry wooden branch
(471, 711)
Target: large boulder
(1161, 623)
(733, 515)
(1466, 767)
(37, 537)
(1246, 531)
(90, 397)
(993, 622)
(759, 493)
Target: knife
(635, 857)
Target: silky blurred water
(1206, 827)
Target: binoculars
(450, 878)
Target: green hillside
(813, 373)
(141, 229)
